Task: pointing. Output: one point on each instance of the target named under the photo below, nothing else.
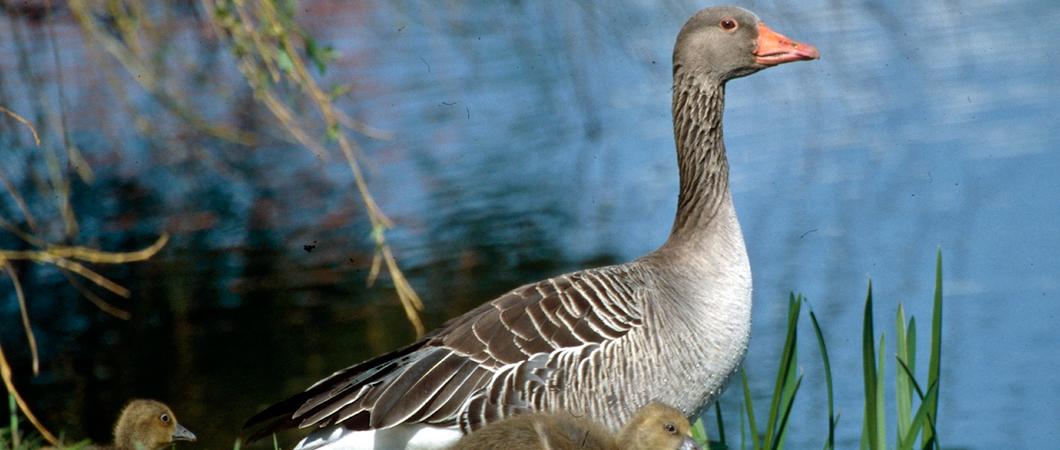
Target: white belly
(408, 437)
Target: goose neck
(704, 170)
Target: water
(535, 138)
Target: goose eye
(164, 418)
(728, 24)
(670, 428)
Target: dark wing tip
(280, 416)
(275, 418)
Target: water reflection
(531, 138)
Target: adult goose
(671, 326)
(654, 427)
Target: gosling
(147, 425)
(654, 427)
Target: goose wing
(486, 364)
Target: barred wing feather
(493, 361)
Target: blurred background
(510, 141)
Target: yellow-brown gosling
(654, 427)
(147, 425)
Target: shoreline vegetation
(916, 400)
(277, 59)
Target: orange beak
(774, 48)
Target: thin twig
(88, 254)
(73, 154)
(63, 263)
(100, 303)
(23, 121)
(59, 184)
(26, 237)
(22, 206)
(259, 43)
(24, 313)
(88, 274)
(5, 372)
(363, 128)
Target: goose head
(727, 42)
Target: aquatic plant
(910, 423)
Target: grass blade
(785, 372)
(906, 439)
(929, 426)
(830, 443)
(911, 344)
(881, 413)
(864, 434)
(699, 432)
(936, 349)
(868, 356)
(13, 408)
(923, 417)
(912, 380)
(902, 390)
(755, 440)
(721, 424)
(743, 429)
(782, 428)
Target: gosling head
(148, 425)
(657, 427)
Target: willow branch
(410, 301)
(67, 258)
(146, 77)
(244, 28)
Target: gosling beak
(183, 434)
(774, 48)
(689, 444)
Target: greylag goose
(147, 425)
(671, 326)
(654, 427)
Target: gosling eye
(164, 418)
(670, 428)
(728, 24)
